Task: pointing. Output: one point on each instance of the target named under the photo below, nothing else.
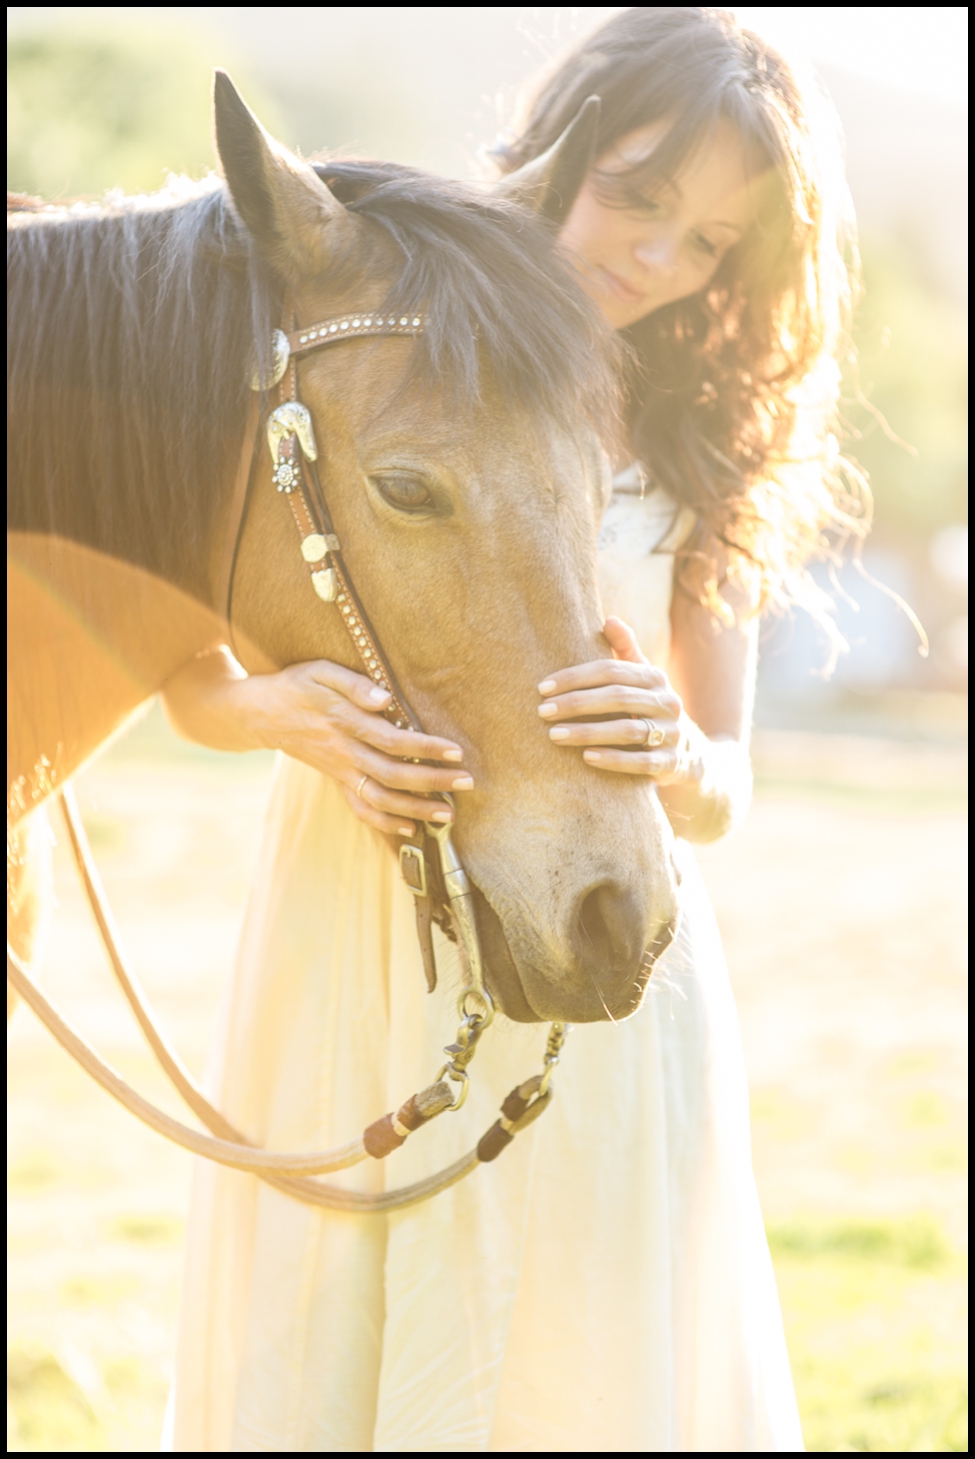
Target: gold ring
(655, 735)
(358, 789)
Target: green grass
(148, 1228)
(111, 1409)
(46, 1409)
(873, 1313)
(872, 1310)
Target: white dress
(604, 1286)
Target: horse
(465, 471)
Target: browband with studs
(286, 347)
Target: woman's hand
(331, 719)
(628, 686)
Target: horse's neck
(90, 638)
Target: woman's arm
(713, 670)
(328, 717)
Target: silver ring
(655, 735)
(358, 789)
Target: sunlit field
(842, 904)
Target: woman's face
(634, 259)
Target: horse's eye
(405, 493)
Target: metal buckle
(412, 863)
(291, 419)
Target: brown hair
(734, 392)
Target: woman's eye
(642, 208)
(706, 247)
(406, 493)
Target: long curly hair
(733, 393)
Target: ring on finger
(358, 789)
(654, 735)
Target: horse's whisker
(602, 999)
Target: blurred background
(842, 900)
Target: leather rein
(430, 865)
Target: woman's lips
(617, 286)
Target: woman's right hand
(331, 719)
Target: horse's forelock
(495, 292)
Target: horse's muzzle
(608, 965)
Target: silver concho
(291, 419)
(285, 476)
(280, 354)
(326, 584)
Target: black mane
(132, 329)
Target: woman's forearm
(208, 700)
(713, 794)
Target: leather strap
(231, 1147)
(424, 935)
(310, 510)
(364, 637)
(296, 475)
(352, 326)
(238, 502)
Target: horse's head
(466, 480)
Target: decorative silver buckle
(291, 419)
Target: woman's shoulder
(644, 513)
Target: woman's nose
(660, 256)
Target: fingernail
(378, 696)
(592, 756)
(546, 686)
(407, 830)
(561, 733)
(441, 816)
(548, 710)
(453, 754)
(463, 782)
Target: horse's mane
(132, 328)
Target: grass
(873, 1311)
(841, 904)
(875, 1322)
(112, 1409)
(46, 1408)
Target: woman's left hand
(627, 685)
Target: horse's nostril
(610, 928)
(591, 923)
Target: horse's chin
(500, 969)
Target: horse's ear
(295, 221)
(550, 184)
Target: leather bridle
(430, 865)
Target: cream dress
(604, 1286)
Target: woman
(608, 1286)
